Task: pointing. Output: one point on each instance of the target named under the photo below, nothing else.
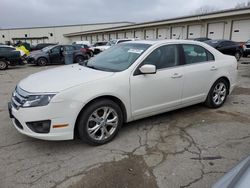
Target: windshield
(46, 49)
(112, 42)
(118, 57)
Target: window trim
(206, 50)
(180, 63)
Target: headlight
(37, 100)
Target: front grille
(19, 97)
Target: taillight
(83, 50)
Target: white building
(54, 34)
(233, 24)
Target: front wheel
(217, 94)
(42, 62)
(3, 64)
(100, 122)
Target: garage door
(89, 38)
(216, 30)
(194, 31)
(94, 38)
(112, 36)
(106, 37)
(129, 34)
(163, 33)
(100, 37)
(150, 34)
(139, 34)
(120, 35)
(241, 30)
(177, 33)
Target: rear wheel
(100, 122)
(91, 53)
(79, 59)
(3, 64)
(42, 62)
(217, 94)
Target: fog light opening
(40, 126)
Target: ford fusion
(127, 82)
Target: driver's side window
(56, 50)
(163, 57)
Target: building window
(3, 36)
(51, 34)
(26, 35)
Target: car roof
(156, 42)
(1, 46)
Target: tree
(242, 5)
(205, 9)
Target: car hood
(37, 53)
(61, 78)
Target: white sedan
(127, 82)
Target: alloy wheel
(102, 123)
(219, 93)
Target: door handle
(213, 68)
(176, 75)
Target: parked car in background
(202, 39)
(246, 48)
(238, 177)
(127, 82)
(41, 46)
(112, 43)
(55, 55)
(9, 56)
(227, 47)
(84, 42)
(85, 48)
(98, 44)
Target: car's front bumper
(30, 60)
(62, 116)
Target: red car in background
(86, 49)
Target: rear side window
(196, 54)
(6, 49)
(69, 48)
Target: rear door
(199, 68)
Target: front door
(155, 93)
(56, 55)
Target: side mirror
(148, 69)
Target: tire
(237, 55)
(219, 89)
(79, 59)
(91, 54)
(94, 116)
(42, 61)
(3, 64)
(245, 55)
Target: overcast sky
(28, 13)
